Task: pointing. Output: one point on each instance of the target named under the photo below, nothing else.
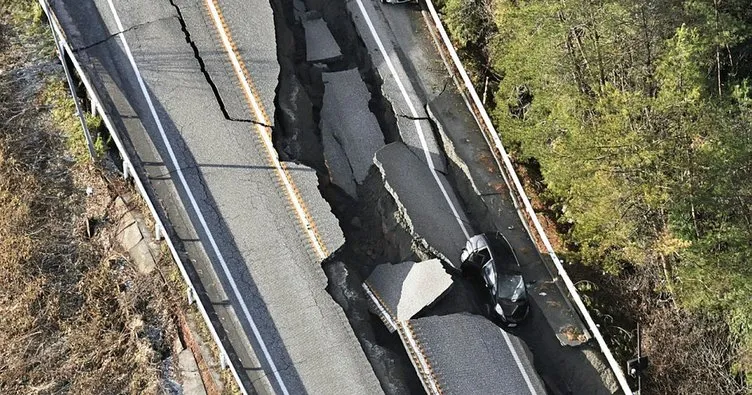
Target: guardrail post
(94, 105)
(223, 360)
(191, 296)
(157, 231)
(125, 170)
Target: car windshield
(480, 257)
(503, 252)
(511, 286)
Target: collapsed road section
(337, 106)
(427, 200)
(423, 199)
(330, 115)
(404, 208)
(454, 353)
(486, 361)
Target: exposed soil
(375, 230)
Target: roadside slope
(75, 313)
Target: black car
(490, 256)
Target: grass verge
(75, 314)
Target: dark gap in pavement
(202, 66)
(371, 223)
(339, 20)
(412, 118)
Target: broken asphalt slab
(424, 199)
(468, 354)
(320, 44)
(403, 290)
(346, 117)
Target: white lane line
(410, 105)
(299, 210)
(194, 204)
(414, 113)
(519, 363)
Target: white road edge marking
(264, 136)
(517, 359)
(192, 199)
(410, 105)
(414, 113)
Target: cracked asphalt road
(299, 340)
(580, 369)
(220, 192)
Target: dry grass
(75, 316)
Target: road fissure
(255, 105)
(192, 200)
(205, 72)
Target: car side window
(489, 275)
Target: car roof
(502, 252)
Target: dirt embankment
(76, 316)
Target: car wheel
(488, 312)
(493, 317)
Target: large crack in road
(333, 114)
(374, 229)
(204, 71)
(377, 229)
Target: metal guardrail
(508, 172)
(128, 170)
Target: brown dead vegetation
(75, 316)
(681, 345)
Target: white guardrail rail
(507, 171)
(128, 170)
